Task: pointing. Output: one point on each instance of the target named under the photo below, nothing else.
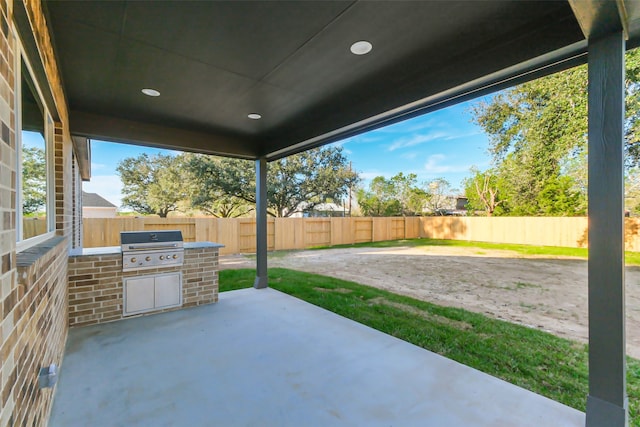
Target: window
(35, 215)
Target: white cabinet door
(139, 294)
(167, 290)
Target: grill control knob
(148, 258)
(175, 256)
(161, 257)
(133, 259)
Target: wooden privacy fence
(238, 234)
(33, 227)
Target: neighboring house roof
(94, 200)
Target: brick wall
(200, 277)
(38, 308)
(33, 295)
(95, 284)
(8, 177)
(63, 183)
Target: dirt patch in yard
(537, 291)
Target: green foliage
(557, 198)
(225, 187)
(482, 191)
(551, 366)
(410, 198)
(307, 179)
(538, 137)
(216, 184)
(399, 195)
(304, 179)
(34, 180)
(380, 199)
(153, 185)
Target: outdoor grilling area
(142, 344)
(151, 272)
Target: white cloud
(107, 186)
(411, 125)
(97, 166)
(425, 124)
(342, 144)
(416, 140)
(461, 135)
(435, 165)
(421, 138)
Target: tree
(34, 180)
(482, 192)
(153, 185)
(410, 197)
(295, 182)
(206, 193)
(538, 135)
(557, 198)
(439, 195)
(396, 196)
(380, 199)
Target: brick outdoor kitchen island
(96, 282)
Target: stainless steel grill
(143, 250)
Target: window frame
(20, 59)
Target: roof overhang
(82, 150)
(216, 62)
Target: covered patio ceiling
(214, 63)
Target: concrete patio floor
(263, 358)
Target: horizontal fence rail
(238, 235)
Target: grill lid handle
(141, 248)
(159, 236)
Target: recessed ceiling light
(254, 116)
(361, 48)
(150, 92)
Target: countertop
(110, 250)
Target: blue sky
(442, 144)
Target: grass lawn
(538, 361)
(631, 258)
